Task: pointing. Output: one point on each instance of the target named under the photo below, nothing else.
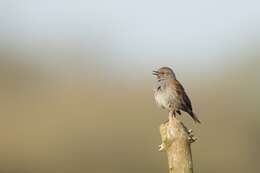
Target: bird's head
(164, 73)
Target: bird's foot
(171, 116)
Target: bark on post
(176, 140)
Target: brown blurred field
(63, 123)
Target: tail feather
(194, 117)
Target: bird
(170, 94)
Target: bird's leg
(174, 113)
(171, 113)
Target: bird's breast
(162, 99)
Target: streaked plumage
(170, 94)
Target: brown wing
(182, 96)
(184, 101)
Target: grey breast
(163, 96)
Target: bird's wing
(184, 102)
(182, 96)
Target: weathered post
(176, 141)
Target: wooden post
(176, 140)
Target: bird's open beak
(156, 73)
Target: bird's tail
(194, 117)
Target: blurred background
(76, 84)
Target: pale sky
(144, 34)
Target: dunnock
(170, 94)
